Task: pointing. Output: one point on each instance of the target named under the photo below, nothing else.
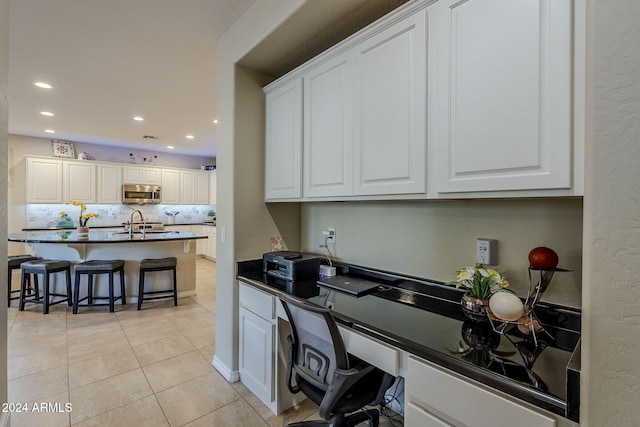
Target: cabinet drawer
(441, 393)
(416, 416)
(261, 303)
(370, 350)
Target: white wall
(610, 395)
(4, 132)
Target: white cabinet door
(201, 196)
(211, 242)
(142, 175)
(390, 113)
(213, 181)
(256, 355)
(79, 180)
(170, 186)
(44, 181)
(200, 243)
(109, 184)
(284, 142)
(328, 128)
(187, 187)
(502, 80)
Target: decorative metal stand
(528, 323)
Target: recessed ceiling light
(170, 147)
(215, 121)
(138, 118)
(43, 85)
(50, 131)
(189, 136)
(46, 113)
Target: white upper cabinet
(194, 187)
(79, 181)
(109, 183)
(170, 186)
(390, 121)
(501, 92)
(44, 181)
(328, 128)
(142, 175)
(284, 141)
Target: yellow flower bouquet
(84, 217)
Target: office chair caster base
(339, 420)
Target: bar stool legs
(160, 264)
(91, 268)
(14, 263)
(46, 267)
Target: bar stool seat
(91, 268)
(14, 263)
(46, 267)
(157, 264)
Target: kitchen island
(65, 244)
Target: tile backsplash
(44, 216)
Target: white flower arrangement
(479, 281)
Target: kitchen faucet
(131, 222)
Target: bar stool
(46, 267)
(91, 268)
(159, 264)
(14, 263)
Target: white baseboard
(228, 374)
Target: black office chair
(335, 380)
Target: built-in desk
(416, 329)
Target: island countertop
(66, 236)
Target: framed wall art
(63, 149)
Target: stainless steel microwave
(141, 194)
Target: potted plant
(480, 283)
(83, 228)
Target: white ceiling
(109, 61)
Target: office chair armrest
(291, 350)
(343, 379)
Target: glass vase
(474, 308)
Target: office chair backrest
(318, 345)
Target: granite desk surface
(425, 318)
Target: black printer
(290, 265)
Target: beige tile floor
(130, 368)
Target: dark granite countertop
(66, 236)
(425, 318)
(120, 225)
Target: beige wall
(243, 222)
(4, 132)
(432, 239)
(611, 288)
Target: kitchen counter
(105, 245)
(99, 227)
(97, 236)
(424, 318)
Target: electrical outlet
(486, 251)
(329, 235)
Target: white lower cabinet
(438, 398)
(256, 355)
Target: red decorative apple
(543, 258)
